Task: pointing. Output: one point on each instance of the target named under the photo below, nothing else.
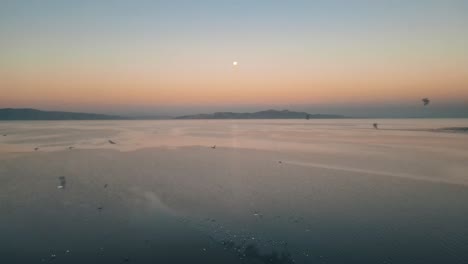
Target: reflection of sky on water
(296, 135)
(224, 205)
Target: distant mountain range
(268, 114)
(34, 114)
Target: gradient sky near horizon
(144, 56)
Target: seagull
(112, 142)
(426, 101)
(376, 126)
(213, 147)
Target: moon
(234, 63)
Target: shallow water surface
(271, 191)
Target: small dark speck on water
(105, 185)
(112, 142)
(63, 181)
(36, 149)
(100, 208)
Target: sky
(176, 57)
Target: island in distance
(34, 114)
(268, 114)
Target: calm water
(272, 191)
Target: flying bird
(426, 101)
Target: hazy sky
(175, 56)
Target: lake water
(234, 191)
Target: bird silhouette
(425, 101)
(112, 142)
(376, 126)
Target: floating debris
(62, 182)
(296, 219)
(4, 135)
(376, 126)
(258, 214)
(70, 147)
(36, 149)
(100, 208)
(112, 142)
(280, 162)
(105, 185)
(425, 101)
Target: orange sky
(122, 55)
